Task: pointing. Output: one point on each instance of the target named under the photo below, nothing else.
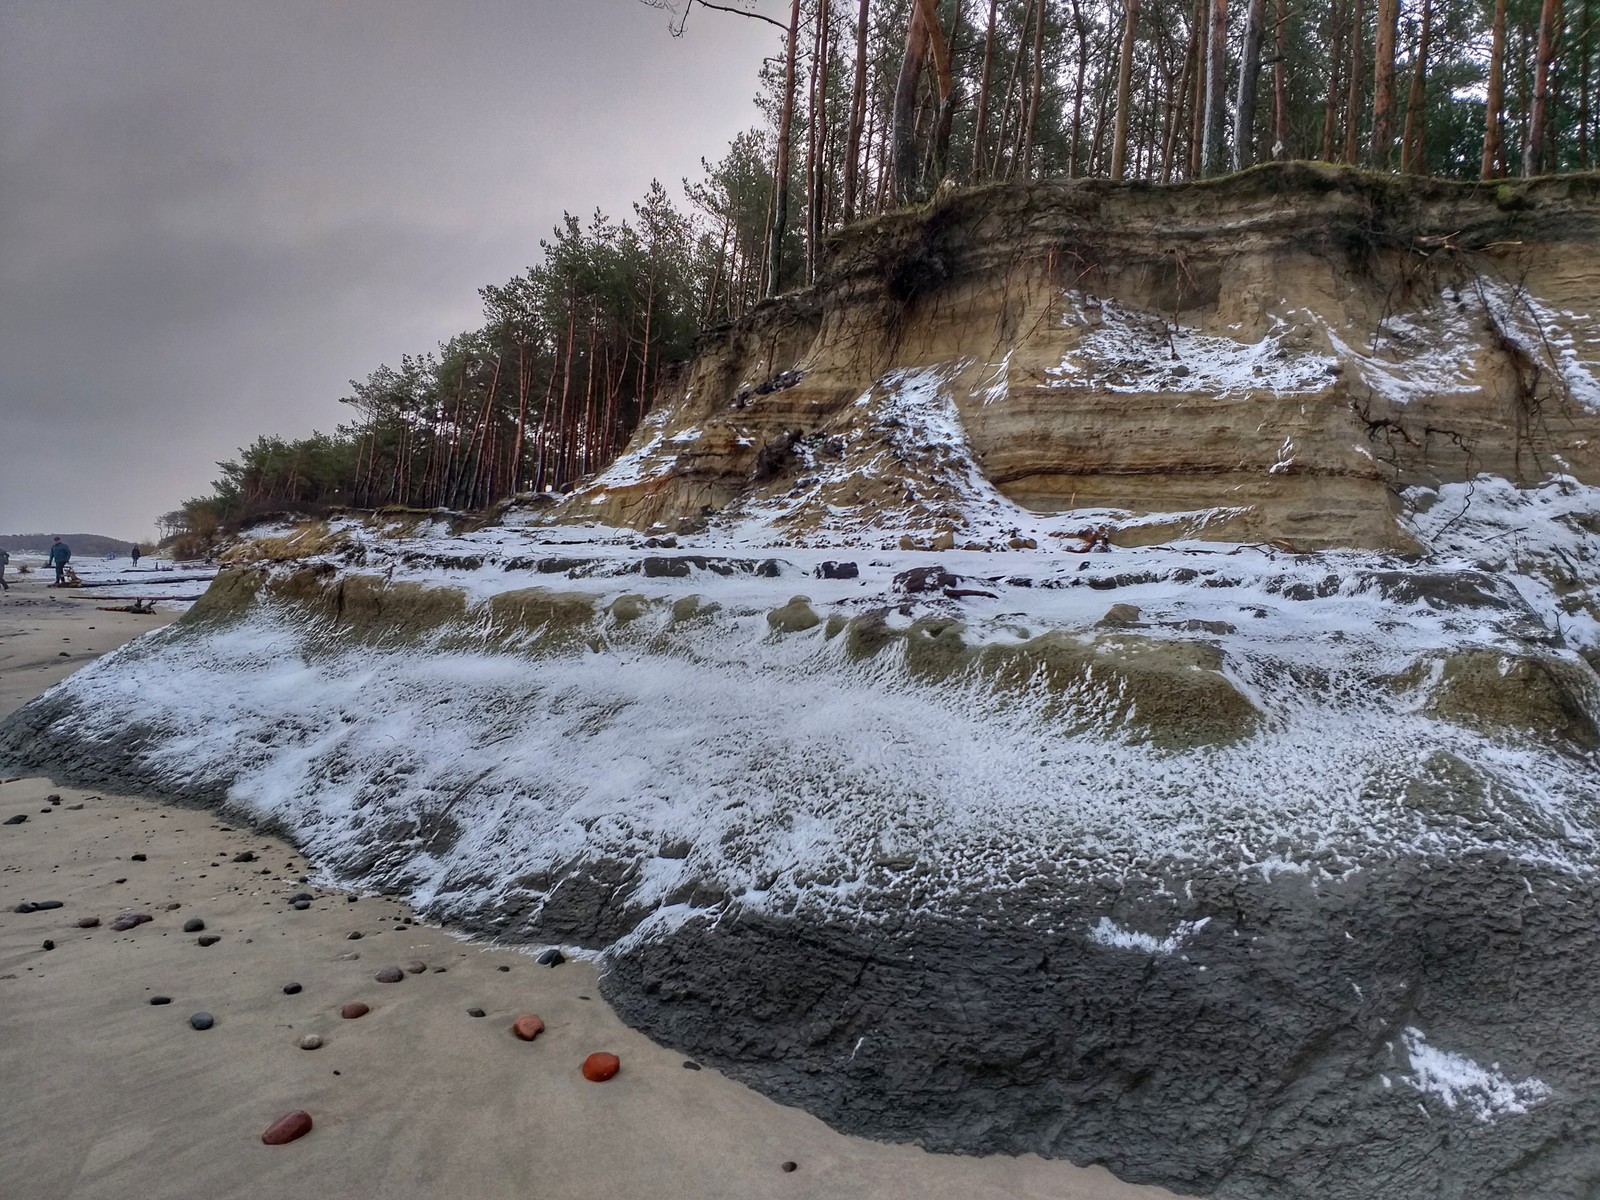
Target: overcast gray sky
(214, 213)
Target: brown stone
(287, 1127)
(353, 1010)
(598, 1068)
(88, 922)
(390, 975)
(128, 920)
(527, 1027)
(416, 966)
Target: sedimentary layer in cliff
(1272, 356)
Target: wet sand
(107, 1095)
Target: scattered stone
(291, 989)
(790, 1167)
(353, 1010)
(838, 570)
(122, 880)
(689, 1064)
(390, 975)
(16, 820)
(552, 958)
(26, 907)
(130, 920)
(46, 905)
(210, 939)
(49, 945)
(353, 936)
(193, 925)
(245, 856)
(202, 1020)
(416, 966)
(74, 807)
(138, 858)
(503, 968)
(174, 906)
(88, 922)
(53, 798)
(527, 1027)
(310, 1042)
(352, 899)
(476, 1012)
(598, 1068)
(299, 896)
(300, 905)
(350, 957)
(160, 999)
(287, 1127)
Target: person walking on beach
(135, 553)
(60, 553)
(4, 559)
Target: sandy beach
(110, 1095)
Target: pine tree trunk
(858, 118)
(1413, 144)
(1352, 115)
(1494, 118)
(980, 129)
(813, 138)
(1081, 28)
(1280, 107)
(1548, 20)
(905, 107)
(1179, 104)
(780, 180)
(1383, 83)
(1330, 115)
(1213, 153)
(1119, 137)
(1036, 93)
(1244, 117)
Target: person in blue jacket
(59, 555)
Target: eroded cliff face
(1273, 357)
(1253, 849)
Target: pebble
(74, 807)
(160, 999)
(503, 968)
(390, 975)
(202, 1020)
(350, 957)
(193, 925)
(416, 966)
(353, 1010)
(299, 896)
(300, 905)
(689, 1064)
(310, 1042)
(48, 945)
(791, 1166)
(552, 958)
(53, 798)
(527, 1027)
(353, 936)
(88, 922)
(210, 939)
(130, 920)
(352, 899)
(245, 856)
(291, 989)
(287, 1127)
(16, 820)
(598, 1068)
(476, 1012)
(138, 858)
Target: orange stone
(527, 1027)
(353, 1010)
(287, 1127)
(598, 1068)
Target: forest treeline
(868, 105)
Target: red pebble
(527, 1027)
(287, 1127)
(598, 1068)
(351, 1011)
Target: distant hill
(84, 545)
